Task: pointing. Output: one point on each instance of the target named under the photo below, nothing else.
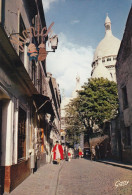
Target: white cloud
(75, 21)
(47, 3)
(68, 61)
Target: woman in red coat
(58, 152)
(80, 152)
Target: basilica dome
(108, 47)
(101, 71)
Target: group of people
(100, 151)
(78, 153)
(61, 152)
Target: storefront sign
(37, 53)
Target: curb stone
(117, 164)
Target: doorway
(21, 134)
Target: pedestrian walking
(97, 150)
(80, 152)
(93, 153)
(63, 147)
(58, 152)
(76, 153)
(69, 154)
(102, 151)
(108, 152)
(66, 153)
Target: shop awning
(43, 104)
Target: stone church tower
(66, 101)
(78, 87)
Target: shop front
(45, 115)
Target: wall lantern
(54, 43)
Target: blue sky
(79, 25)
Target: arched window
(107, 27)
(108, 59)
(111, 75)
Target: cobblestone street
(84, 177)
(78, 177)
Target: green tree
(96, 104)
(73, 121)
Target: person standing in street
(63, 147)
(70, 154)
(76, 153)
(58, 152)
(97, 150)
(66, 153)
(80, 152)
(93, 153)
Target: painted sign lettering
(38, 53)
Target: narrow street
(84, 177)
(78, 177)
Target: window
(124, 95)
(33, 71)
(21, 28)
(127, 136)
(93, 64)
(108, 59)
(111, 75)
(107, 27)
(21, 133)
(42, 140)
(40, 78)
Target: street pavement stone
(42, 182)
(85, 177)
(77, 177)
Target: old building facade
(29, 100)
(124, 80)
